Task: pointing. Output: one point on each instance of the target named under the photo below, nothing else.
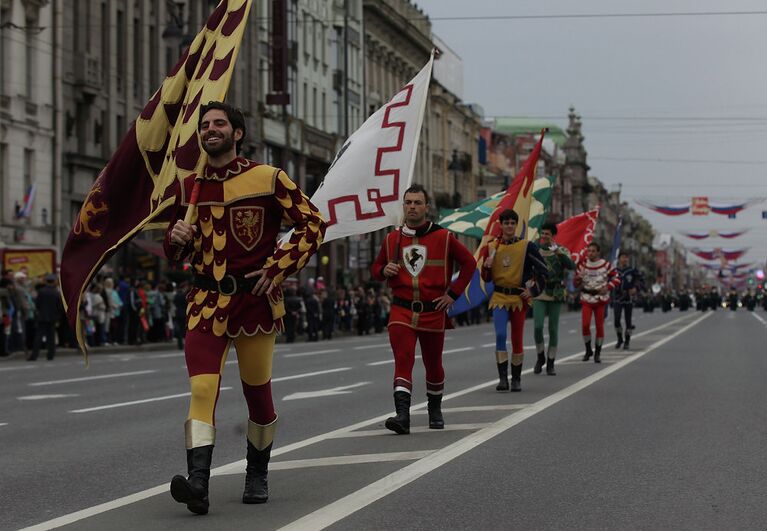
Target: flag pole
(191, 209)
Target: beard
(224, 146)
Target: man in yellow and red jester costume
(417, 262)
(232, 244)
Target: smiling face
(217, 136)
(546, 237)
(415, 208)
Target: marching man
(238, 267)
(417, 262)
(596, 278)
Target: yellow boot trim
(501, 356)
(254, 357)
(198, 433)
(261, 436)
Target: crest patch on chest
(414, 257)
(247, 224)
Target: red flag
(162, 148)
(576, 233)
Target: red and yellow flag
(162, 148)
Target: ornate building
(29, 120)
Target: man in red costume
(232, 246)
(417, 262)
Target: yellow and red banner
(140, 180)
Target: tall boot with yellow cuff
(193, 491)
(260, 439)
(502, 359)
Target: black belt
(415, 306)
(229, 285)
(509, 291)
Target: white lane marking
(571, 331)
(134, 402)
(19, 368)
(332, 513)
(472, 409)
(379, 345)
(343, 390)
(3, 423)
(417, 429)
(308, 374)
(386, 362)
(168, 355)
(44, 397)
(163, 489)
(462, 349)
(88, 378)
(759, 318)
(332, 461)
(312, 353)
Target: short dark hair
(417, 189)
(233, 114)
(549, 226)
(596, 245)
(623, 253)
(508, 214)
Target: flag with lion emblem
(161, 148)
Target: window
(138, 63)
(31, 56)
(305, 95)
(3, 158)
(119, 128)
(324, 111)
(154, 74)
(105, 29)
(315, 120)
(29, 171)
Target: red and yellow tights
(205, 359)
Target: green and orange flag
(140, 180)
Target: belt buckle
(416, 306)
(222, 291)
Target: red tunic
(239, 212)
(426, 262)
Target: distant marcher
(48, 306)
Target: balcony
(88, 74)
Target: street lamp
(173, 33)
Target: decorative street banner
(719, 254)
(140, 180)
(471, 220)
(731, 267)
(722, 208)
(518, 197)
(363, 189)
(700, 206)
(667, 210)
(715, 234)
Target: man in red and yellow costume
(231, 242)
(417, 262)
(512, 264)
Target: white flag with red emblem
(363, 189)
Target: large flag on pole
(576, 233)
(471, 220)
(518, 197)
(161, 148)
(362, 192)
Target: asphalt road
(669, 435)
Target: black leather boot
(436, 422)
(597, 354)
(401, 422)
(589, 352)
(193, 491)
(503, 377)
(516, 378)
(256, 487)
(620, 340)
(628, 340)
(540, 363)
(550, 367)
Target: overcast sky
(692, 88)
